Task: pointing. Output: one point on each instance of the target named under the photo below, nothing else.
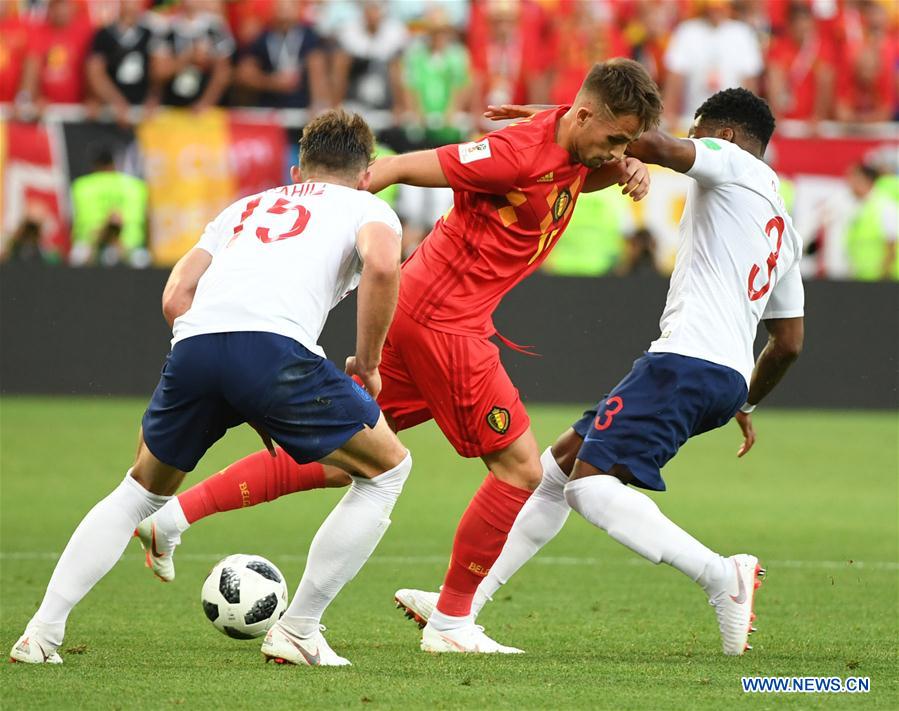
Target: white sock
(170, 524)
(92, 551)
(538, 522)
(342, 545)
(445, 623)
(634, 520)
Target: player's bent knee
(369, 452)
(335, 477)
(392, 480)
(518, 464)
(155, 476)
(565, 450)
(523, 474)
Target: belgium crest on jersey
(498, 419)
(563, 200)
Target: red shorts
(457, 380)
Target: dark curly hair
(742, 108)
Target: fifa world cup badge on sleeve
(476, 150)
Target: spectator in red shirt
(800, 69)
(14, 32)
(53, 72)
(580, 38)
(866, 80)
(508, 53)
(248, 19)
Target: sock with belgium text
(541, 518)
(479, 540)
(253, 480)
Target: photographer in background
(109, 216)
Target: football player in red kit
(515, 191)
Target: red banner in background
(34, 186)
(256, 155)
(197, 165)
(824, 156)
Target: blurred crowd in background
(429, 67)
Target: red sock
(480, 537)
(250, 481)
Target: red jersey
(800, 64)
(514, 194)
(13, 42)
(62, 52)
(877, 92)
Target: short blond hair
(336, 142)
(626, 88)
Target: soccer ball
(244, 595)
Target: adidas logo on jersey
(548, 178)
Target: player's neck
(563, 129)
(331, 180)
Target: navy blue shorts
(213, 382)
(664, 400)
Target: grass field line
(540, 560)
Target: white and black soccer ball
(244, 595)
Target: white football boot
(469, 639)
(733, 605)
(417, 605)
(284, 647)
(158, 549)
(31, 648)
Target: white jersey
(737, 260)
(281, 260)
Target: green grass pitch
(816, 500)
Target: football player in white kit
(248, 304)
(737, 264)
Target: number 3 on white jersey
(775, 224)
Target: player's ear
(583, 115)
(295, 174)
(364, 180)
(726, 133)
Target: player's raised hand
(634, 178)
(505, 112)
(371, 379)
(745, 421)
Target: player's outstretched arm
(379, 247)
(421, 168)
(181, 286)
(785, 338)
(662, 149)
